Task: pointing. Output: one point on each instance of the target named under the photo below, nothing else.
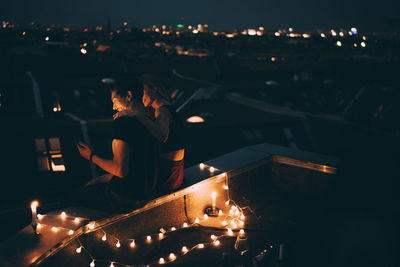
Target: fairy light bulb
(161, 261)
(172, 256)
(223, 174)
(132, 244)
(241, 232)
(92, 264)
(148, 238)
(242, 217)
(104, 238)
(184, 249)
(231, 212)
(79, 250)
(213, 237)
(232, 222)
(196, 221)
(220, 212)
(201, 165)
(227, 202)
(118, 244)
(39, 216)
(237, 212)
(160, 235)
(224, 223)
(212, 169)
(91, 226)
(173, 228)
(234, 226)
(205, 216)
(39, 226)
(241, 223)
(71, 232)
(63, 215)
(233, 207)
(230, 232)
(226, 187)
(217, 242)
(201, 245)
(185, 225)
(54, 229)
(76, 220)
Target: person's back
(141, 179)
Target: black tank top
(175, 139)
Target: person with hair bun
(166, 126)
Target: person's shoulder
(125, 120)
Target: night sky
(367, 15)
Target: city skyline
(307, 15)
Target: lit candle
(34, 205)
(213, 196)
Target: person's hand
(126, 113)
(84, 150)
(101, 179)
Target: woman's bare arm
(160, 127)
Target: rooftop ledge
(313, 173)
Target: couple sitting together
(147, 146)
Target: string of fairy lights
(232, 225)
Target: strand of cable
(172, 257)
(55, 228)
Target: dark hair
(122, 85)
(155, 85)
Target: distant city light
(355, 45)
(339, 43)
(323, 35)
(195, 31)
(363, 44)
(333, 33)
(341, 34)
(354, 30)
(23, 33)
(364, 38)
(47, 38)
(180, 25)
(277, 34)
(290, 29)
(84, 51)
(273, 59)
(125, 23)
(251, 32)
(306, 35)
(195, 119)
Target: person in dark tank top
(166, 126)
